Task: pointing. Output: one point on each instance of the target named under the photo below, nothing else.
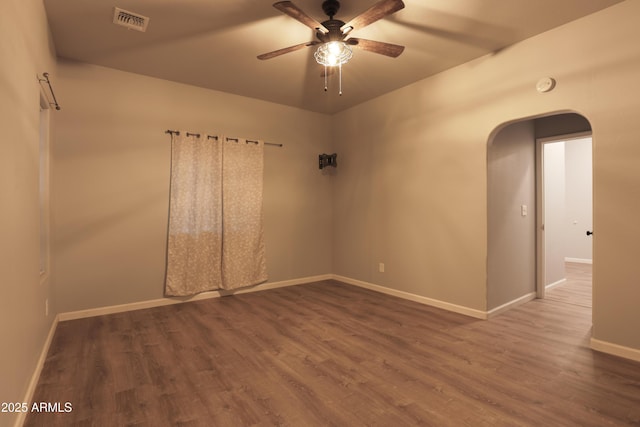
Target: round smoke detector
(545, 84)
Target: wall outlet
(381, 267)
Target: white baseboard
(511, 304)
(615, 349)
(31, 388)
(282, 284)
(478, 314)
(140, 305)
(579, 260)
(99, 311)
(556, 283)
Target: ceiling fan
(333, 34)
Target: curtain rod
(46, 80)
(197, 135)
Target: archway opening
(518, 244)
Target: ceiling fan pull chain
(340, 71)
(325, 78)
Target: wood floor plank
(577, 288)
(329, 354)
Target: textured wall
(412, 188)
(111, 181)
(26, 52)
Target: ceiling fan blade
(388, 49)
(288, 8)
(374, 13)
(282, 51)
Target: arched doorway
(517, 250)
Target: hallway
(577, 289)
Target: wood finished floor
(329, 354)
(577, 289)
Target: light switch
(523, 210)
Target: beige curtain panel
(243, 254)
(215, 237)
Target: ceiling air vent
(130, 20)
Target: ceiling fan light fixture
(333, 53)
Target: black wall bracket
(325, 160)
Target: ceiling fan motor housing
(335, 33)
(331, 7)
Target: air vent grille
(130, 20)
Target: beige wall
(511, 238)
(111, 179)
(25, 51)
(412, 188)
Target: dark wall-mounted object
(325, 160)
(45, 79)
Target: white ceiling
(214, 43)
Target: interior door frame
(540, 207)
